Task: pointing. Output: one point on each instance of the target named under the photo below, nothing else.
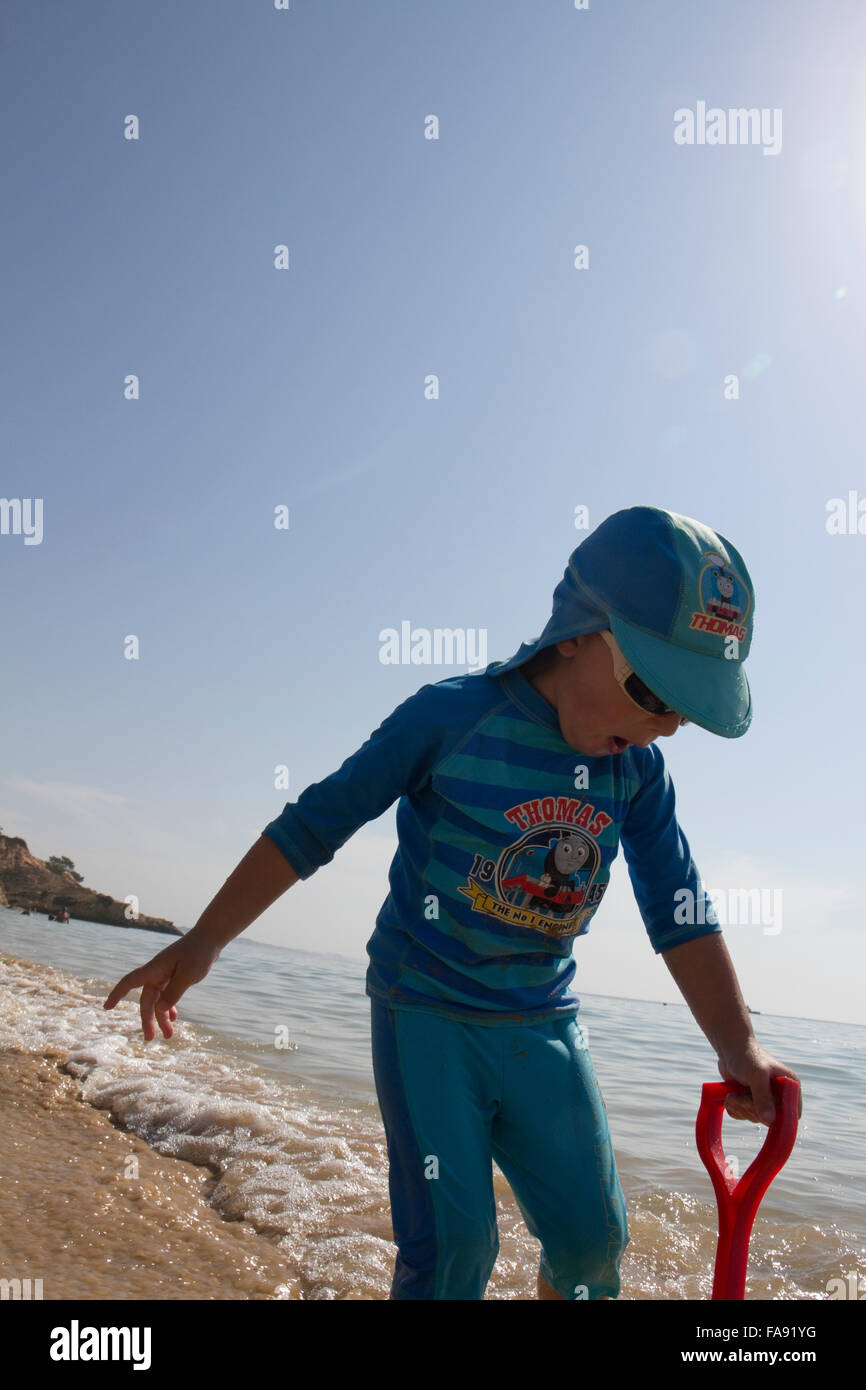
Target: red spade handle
(739, 1201)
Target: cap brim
(709, 691)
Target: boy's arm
(705, 976)
(683, 928)
(667, 887)
(396, 758)
(364, 786)
(704, 973)
(259, 879)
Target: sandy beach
(80, 1200)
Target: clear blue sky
(305, 387)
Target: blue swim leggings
(456, 1095)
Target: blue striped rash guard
(505, 847)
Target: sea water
(268, 1084)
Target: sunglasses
(639, 693)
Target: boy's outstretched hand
(163, 980)
(753, 1066)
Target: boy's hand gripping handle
(739, 1201)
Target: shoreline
(81, 1198)
(192, 1171)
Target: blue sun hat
(680, 603)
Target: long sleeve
(395, 759)
(660, 863)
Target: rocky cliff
(27, 882)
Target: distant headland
(28, 882)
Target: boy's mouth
(616, 744)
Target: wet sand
(81, 1200)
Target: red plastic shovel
(739, 1201)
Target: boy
(515, 787)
